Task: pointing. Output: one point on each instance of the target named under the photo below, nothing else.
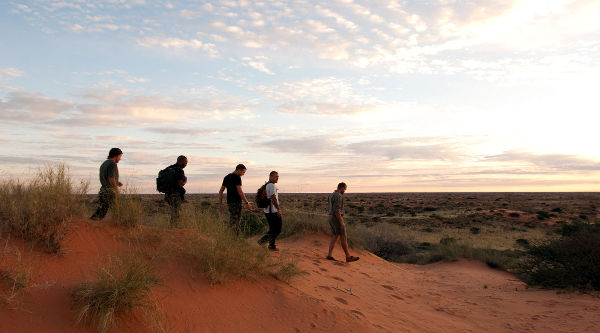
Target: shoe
(261, 241)
(331, 258)
(273, 248)
(351, 259)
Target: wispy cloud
(178, 43)
(408, 149)
(552, 161)
(12, 72)
(23, 106)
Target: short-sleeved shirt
(179, 175)
(335, 202)
(108, 169)
(231, 182)
(272, 189)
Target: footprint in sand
(338, 278)
(387, 287)
(365, 274)
(325, 287)
(357, 312)
(341, 300)
(323, 269)
(397, 297)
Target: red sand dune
(370, 295)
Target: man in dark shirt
(235, 195)
(109, 181)
(176, 195)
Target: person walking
(273, 212)
(175, 195)
(335, 208)
(109, 181)
(235, 195)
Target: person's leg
(274, 229)
(104, 201)
(174, 201)
(344, 242)
(267, 236)
(334, 239)
(235, 216)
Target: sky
(385, 95)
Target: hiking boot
(262, 241)
(273, 248)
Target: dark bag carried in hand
(165, 180)
(261, 199)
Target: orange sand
(370, 295)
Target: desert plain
(392, 291)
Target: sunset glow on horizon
(388, 96)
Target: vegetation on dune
(40, 211)
(128, 210)
(572, 261)
(121, 286)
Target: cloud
(321, 96)
(408, 149)
(13, 72)
(308, 145)
(553, 161)
(178, 43)
(182, 131)
(23, 106)
(257, 64)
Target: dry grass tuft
(41, 210)
(121, 286)
(128, 210)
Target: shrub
(215, 250)
(297, 221)
(121, 286)
(475, 230)
(127, 210)
(384, 240)
(252, 224)
(541, 215)
(570, 261)
(514, 214)
(41, 210)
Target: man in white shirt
(272, 212)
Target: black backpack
(261, 197)
(165, 180)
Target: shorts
(336, 226)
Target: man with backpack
(233, 184)
(267, 197)
(171, 181)
(109, 181)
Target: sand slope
(370, 295)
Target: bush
(121, 286)
(41, 210)
(571, 261)
(295, 222)
(215, 250)
(127, 210)
(514, 214)
(384, 240)
(252, 224)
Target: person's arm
(276, 204)
(221, 196)
(338, 215)
(243, 196)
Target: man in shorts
(235, 195)
(335, 207)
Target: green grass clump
(41, 210)
(121, 286)
(384, 240)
